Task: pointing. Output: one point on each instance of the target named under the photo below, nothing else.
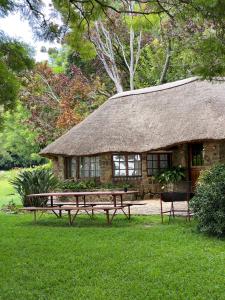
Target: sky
(17, 27)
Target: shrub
(208, 204)
(39, 180)
(172, 175)
(77, 186)
(82, 185)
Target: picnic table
(78, 205)
(82, 195)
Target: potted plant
(170, 176)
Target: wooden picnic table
(83, 195)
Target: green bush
(208, 204)
(172, 175)
(83, 185)
(39, 180)
(77, 186)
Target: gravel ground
(152, 207)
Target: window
(70, 167)
(126, 165)
(157, 162)
(197, 155)
(89, 166)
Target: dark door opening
(196, 162)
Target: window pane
(163, 156)
(131, 173)
(122, 172)
(149, 157)
(131, 157)
(163, 164)
(122, 165)
(74, 167)
(131, 165)
(116, 172)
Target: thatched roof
(149, 119)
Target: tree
(18, 143)
(82, 14)
(57, 102)
(111, 43)
(15, 57)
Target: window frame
(169, 160)
(126, 164)
(89, 169)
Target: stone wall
(105, 168)
(213, 152)
(58, 166)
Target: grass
(140, 259)
(7, 192)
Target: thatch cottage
(136, 134)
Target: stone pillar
(106, 168)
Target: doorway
(196, 162)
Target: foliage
(208, 203)
(81, 185)
(35, 181)
(15, 57)
(18, 142)
(172, 175)
(10, 207)
(56, 102)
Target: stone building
(137, 134)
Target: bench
(86, 208)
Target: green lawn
(7, 193)
(137, 259)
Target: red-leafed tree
(58, 101)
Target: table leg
(51, 200)
(77, 202)
(129, 212)
(69, 217)
(92, 211)
(114, 200)
(161, 210)
(107, 216)
(35, 216)
(121, 200)
(60, 212)
(84, 200)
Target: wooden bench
(91, 208)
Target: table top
(97, 193)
